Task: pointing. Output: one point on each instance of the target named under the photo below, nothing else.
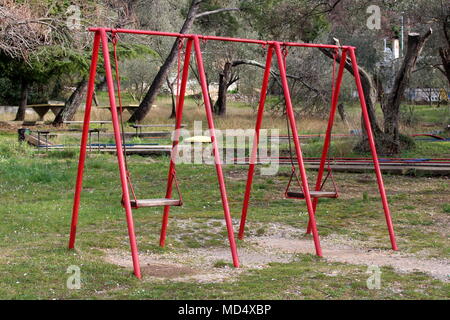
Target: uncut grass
(37, 193)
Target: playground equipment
(312, 196)
(101, 38)
(193, 43)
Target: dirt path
(439, 269)
(279, 244)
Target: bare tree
(22, 31)
(388, 140)
(24, 86)
(72, 104)
(444, 52)
(173, 97)
(125, 16)
(146, 103)
(226, 78)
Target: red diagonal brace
(253, 158)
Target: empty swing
(319, 192)
(314, 193)
(134, 202)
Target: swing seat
(155, 202)
(314, 194)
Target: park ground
(277, 258)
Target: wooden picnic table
(129, 107)
(101, 122)
(139, 127)
(42, 109)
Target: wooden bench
(155, 202)
(40, 140)
(95, 121)
(314, 194)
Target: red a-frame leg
(218, 163)
(326, 144)
(120, 156)
(251, 168)
(298, 150)
(179, 117)
(373, 150)
(84, 140)
(101, 36)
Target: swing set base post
(178, 122)
(251, 168)
(194, 40)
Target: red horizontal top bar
(202, 37)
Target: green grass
(36, 190)
(446, 207)
(429, 114)
(429, 149)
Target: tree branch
(274, 74)
(207, 13)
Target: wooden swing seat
(155, 202)
(314, 194)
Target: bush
(446, 207)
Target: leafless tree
(388, 140)
(22, 31)
(146, 103)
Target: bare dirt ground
(8, 127)
(279, 244)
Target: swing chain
(114, 41)
(285, 53)
(293, 169)
(333, 88)
(180, 49)
(180, 43)
(114, 38)
(284, 50)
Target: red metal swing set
(193, 42)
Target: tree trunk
(445, 52)
(389, 140)
(342, 113)
(220, 107)
(370, 94)
(20, 115)
(101, 86)
(173, 114)
(72, 104)
(445, 57)
(391, 111)
(152, 92)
